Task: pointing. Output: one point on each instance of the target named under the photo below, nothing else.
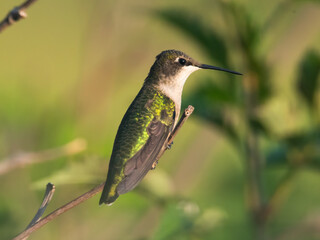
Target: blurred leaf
(305, 149)
(279, 11)
(211, 103)
(258, 125)
(248, 38)
(184, 220)
(248, 33)
(276, 14)
(297, 150)
(260, 79)
(304, 138)
(177, 221)
(209, 219)
(158, 183)
(7, 219)
(308, 76)
(213, 93)
(202, 33)
(80, 172)
(277, 155)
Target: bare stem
(187, 112)
(74, 147)
(254, 161)
(60, 211)
(15, 14)
(38, 224)
(46, 200)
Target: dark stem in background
(36, 223)
(254, 161)
(15, 14)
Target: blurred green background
(244, 166)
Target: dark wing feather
(139, 165)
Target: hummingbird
(143, 133)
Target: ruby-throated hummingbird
(145, 128)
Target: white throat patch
(174, 89)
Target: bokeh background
(244, 166)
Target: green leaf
(200, 32)
(212, 93)
(248, 33)
(248, 36)
(177, 221)
(308, 77)
(212, 103)
(185, 220)
(7, 217)
(258, 125)
(80, 172)
(302, 149)
(159, 184)
(277, 155)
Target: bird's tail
(107, 196)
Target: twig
(188, 111)
(76, 146)
(46, 200)
(15, 14)
(60, 211)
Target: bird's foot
(154, 165)
(169, 146)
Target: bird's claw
(169, 146)
(156, 162)
(154, 165)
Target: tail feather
(106, 198)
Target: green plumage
(144, 130)
(150, 107)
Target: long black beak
(205, 66)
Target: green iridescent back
(132, 135)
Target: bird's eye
(182, 61)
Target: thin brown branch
(60, 211)
(16, 14)
(188, 111)
(74, 147)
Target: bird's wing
(141, 137)
(138, 166)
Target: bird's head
(174, 67)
